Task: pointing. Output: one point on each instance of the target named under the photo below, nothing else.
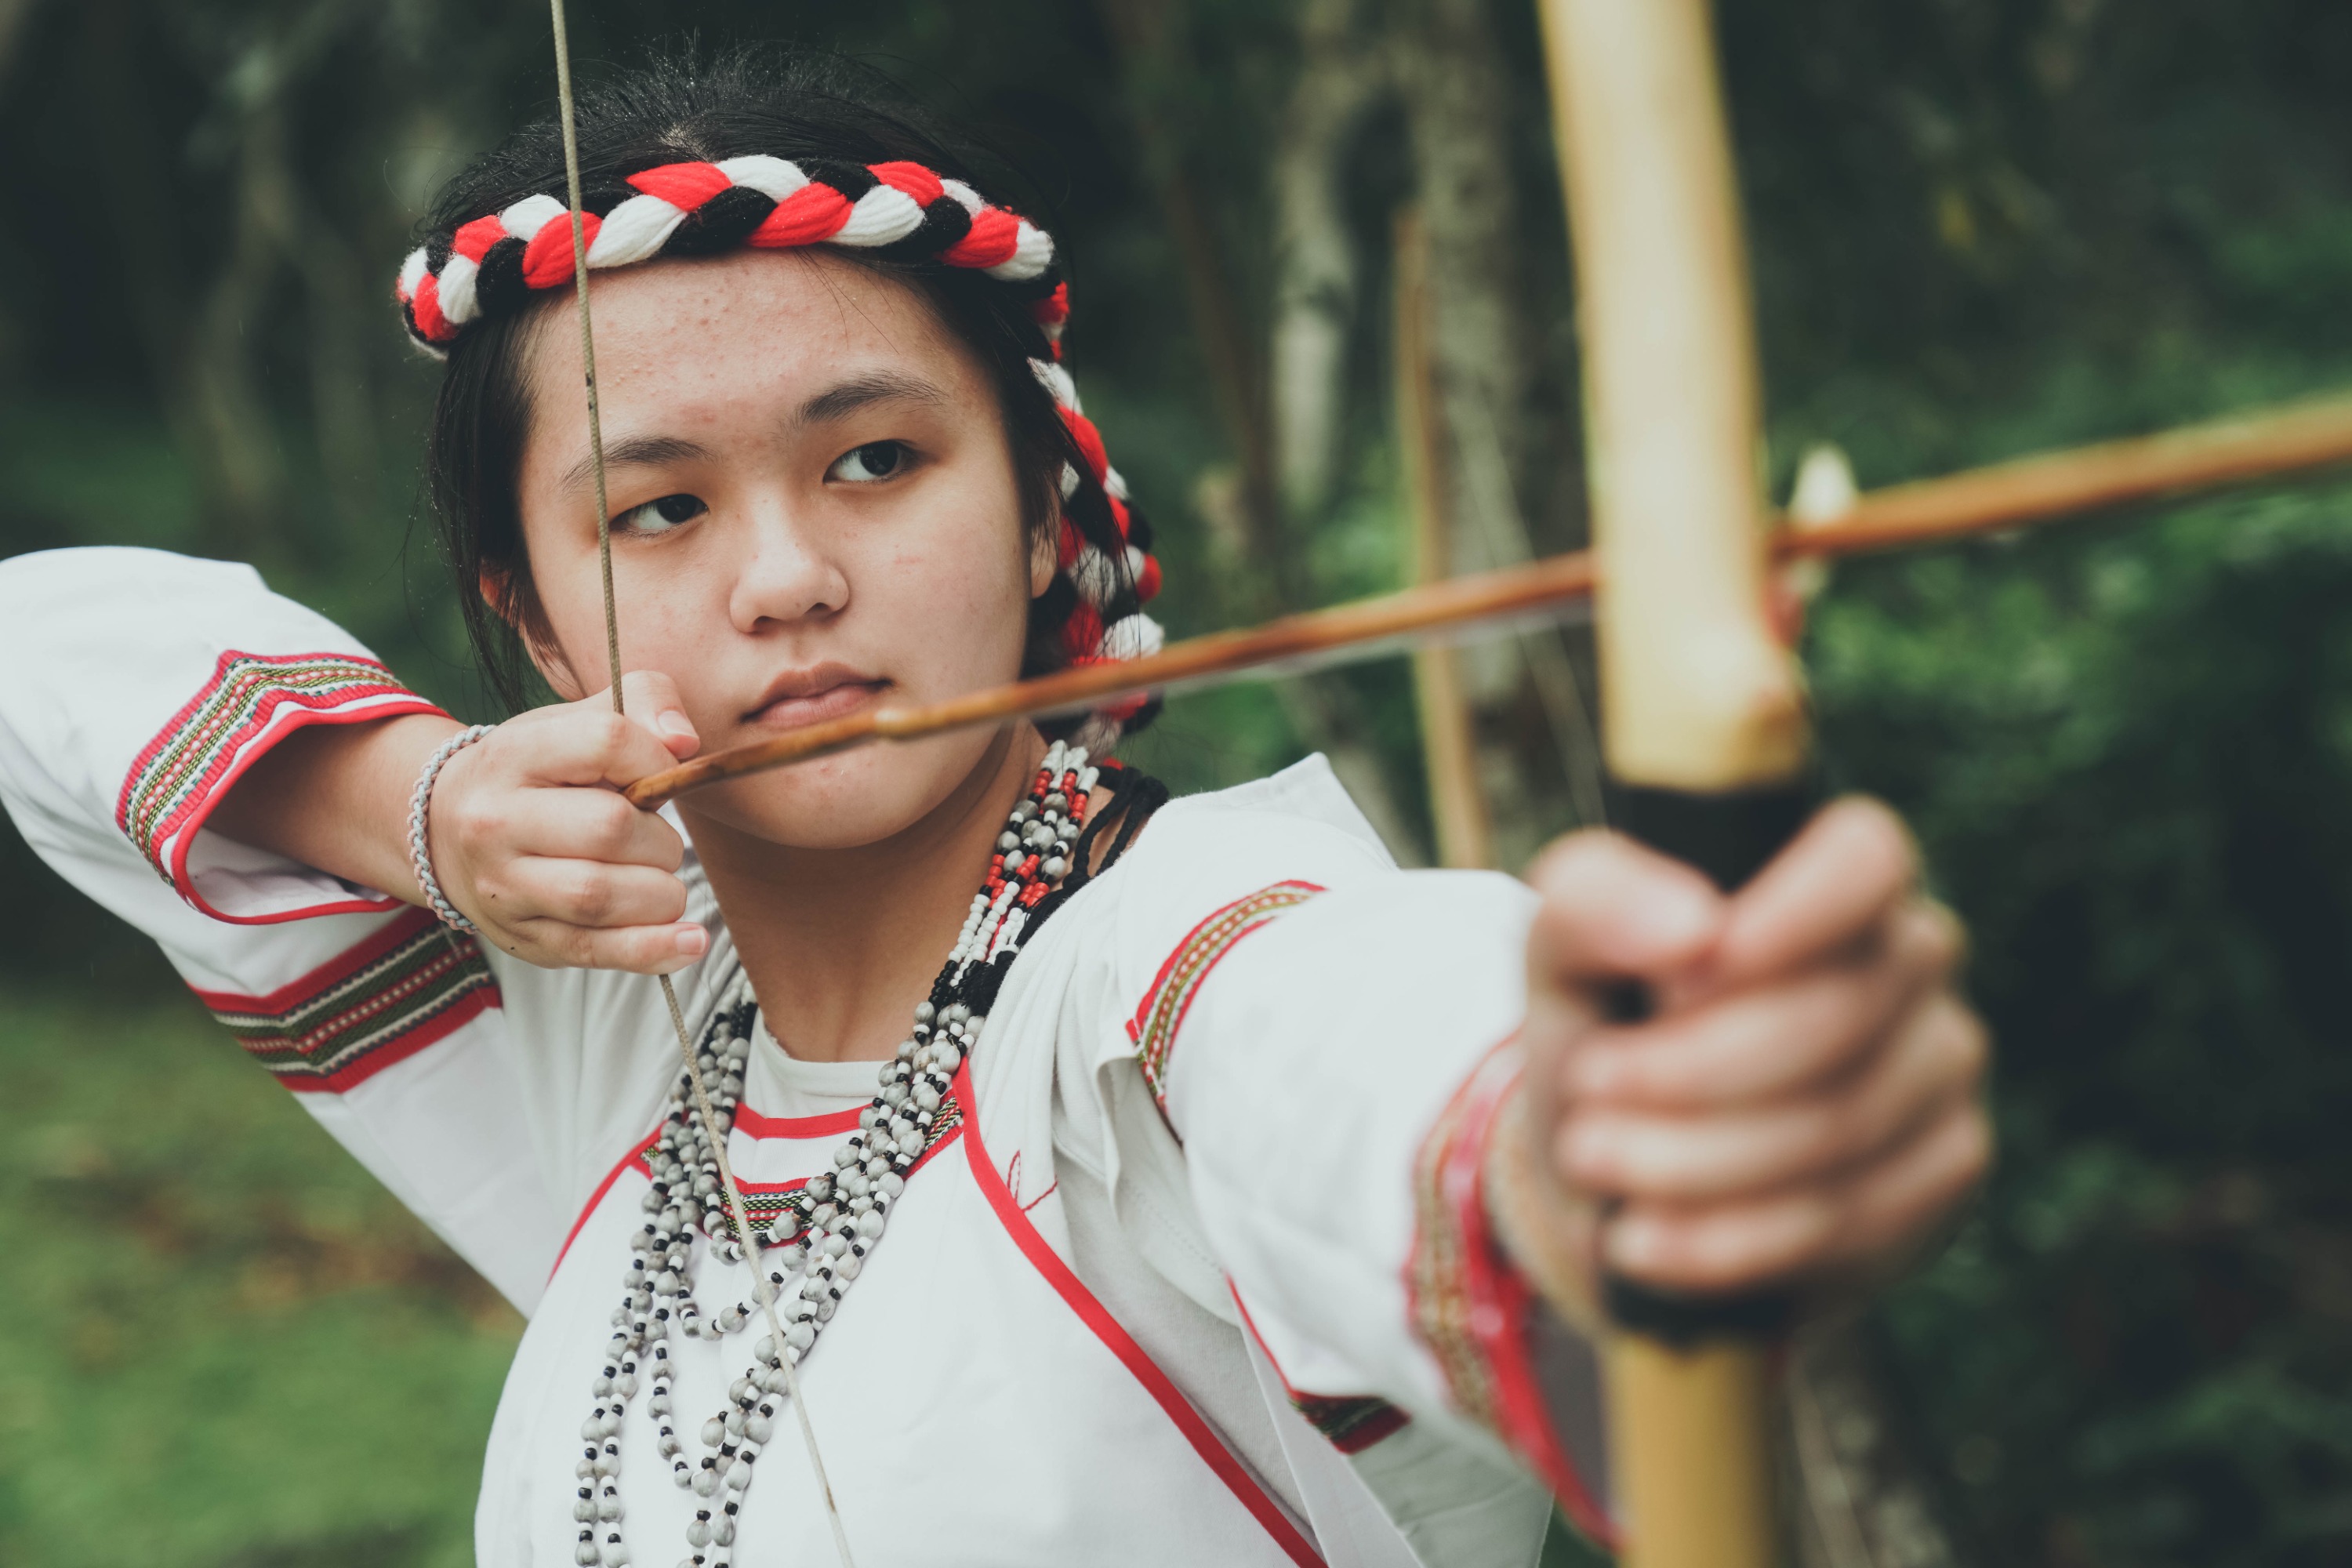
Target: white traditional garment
(1202, 1277)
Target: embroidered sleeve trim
(411, 983)
(252, 702)
(1161, 1014)
(1470, 1305)
(1350, 1422)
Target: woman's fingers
(652, 697)
(641, 950)
(1759, 1044)
(588, 893)
(591, 824)
(585, 914)
(532, 841)
(1827, 891)
(583, 744)
(1873, 1213)
(1934, 1060)
(1614, 911)
(1802, 1102)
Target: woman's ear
(1045, 554)
(538, 643)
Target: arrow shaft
(1984, 501)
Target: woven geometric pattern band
(1161, 1014)
(250, 696)
(385, 999)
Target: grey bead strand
(817, 1245)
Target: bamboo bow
(1705, 731)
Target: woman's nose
(786, 575)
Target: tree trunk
(1459, 92)
(337, 318)
(1321, 710)
(251, 489)
(1861, 1499)
(1152, 59)
(1315, 266)
(1270, 576)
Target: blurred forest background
(1982, 227)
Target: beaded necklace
(815, 1243)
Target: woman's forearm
(336, 797)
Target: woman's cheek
(958, 628)
(686, 643)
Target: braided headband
(494, 264)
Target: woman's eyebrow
(844, 399)
(636, 452)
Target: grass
(232, 1347)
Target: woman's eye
(863, 465)
(660, 516)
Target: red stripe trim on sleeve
(379, 1002)
(389, 937)
(1350, 1422)
(252, 702)
(1097, 1317)
(1470, 1305)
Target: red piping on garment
(1097, 1317)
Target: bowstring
(763, 1290)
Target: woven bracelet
(420, 803)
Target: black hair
(815, 110)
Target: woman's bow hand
(531, 841)
(1801, 1107)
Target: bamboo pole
(2246, 449)
(1703, 716)
(1457, 807)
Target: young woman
(1229, 1195)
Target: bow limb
(1705, 731)
(1700, 695)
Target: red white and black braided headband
(494, 264)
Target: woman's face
(813, 510)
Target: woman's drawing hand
(532, 842)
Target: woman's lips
(808, 701)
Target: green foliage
(235, 1347)
(2126, 754)
(1986, 228)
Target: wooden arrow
(2249, 449)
